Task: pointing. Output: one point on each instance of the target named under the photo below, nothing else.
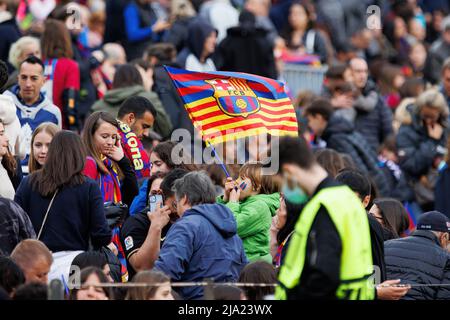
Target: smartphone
(153, 200)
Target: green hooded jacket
(254, 217)
(114, 98)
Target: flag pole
(208, 144)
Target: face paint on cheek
(243, 185)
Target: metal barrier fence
(56, 287)
(301, 77)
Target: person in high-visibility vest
(329, 255)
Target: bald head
(115, 53)
(34, 258)
(360, 72)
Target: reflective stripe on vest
(350, 220)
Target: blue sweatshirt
(133, 29)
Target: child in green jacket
(253, 198)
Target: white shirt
(6, 187)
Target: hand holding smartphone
(154, 199)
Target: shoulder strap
(46, 215)
(310, 40)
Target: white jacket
(12, 125)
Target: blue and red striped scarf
(110, 188)
(109, 183)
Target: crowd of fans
(89, 188)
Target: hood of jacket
(31, 111)
(403, 113)
(337, 125)
(115, 97)
(271, 200)
(7, 109)
(218, 215)
(198, 31)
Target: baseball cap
(433, 221)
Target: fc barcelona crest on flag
(225, 106)
(234, 97)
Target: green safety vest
(350, 219)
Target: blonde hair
(17, 48)
(46, 127)
(432, 98)
(182, 9)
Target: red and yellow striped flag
(230, 105)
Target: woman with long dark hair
(392, 216)
(65, 207)
(109, 167)
(300, 35)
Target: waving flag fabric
(230, 105)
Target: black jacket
(374, 125)
(114, 24)
(419, 259)
(416, 149)
(88, 93)
(15, 226)
(341, 136)
(246, 49)
(442, 191)
(170, 99)
(377, 238)
(397, 185)
(9, 33)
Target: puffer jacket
(15, 226)
(341, 136)
(375, 125)
(416, 149)
(253, 218)
(418, 260)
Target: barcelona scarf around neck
(109, 183)
(110, 187)
(134, 150)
